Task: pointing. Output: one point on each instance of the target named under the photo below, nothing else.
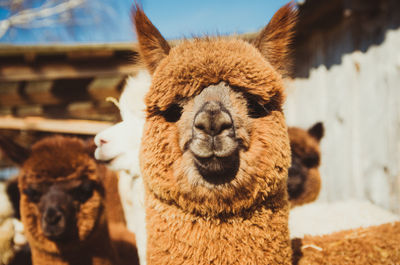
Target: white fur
(120, 144)
(321, 218)
(12, 237)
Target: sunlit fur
(190, 221)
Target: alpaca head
(305, 158)
(215, 140)
(61, 192)
(119, 144)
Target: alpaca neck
(176, 237)
(97, 250)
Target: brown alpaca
(304, 181)
(63, 204)
(215, 151)
(371, 245)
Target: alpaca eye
(84, 191)
(32, 194)
(173, 113)
(256, 110)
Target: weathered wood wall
(354, 88)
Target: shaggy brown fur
(67, 162)
(372, 245)
(189, 221)
(304, 181)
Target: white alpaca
(119, 145)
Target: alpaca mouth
(54, 232)
(218, 170)
(108, 161)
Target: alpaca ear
(14, 151)
(317, 131)
(274, 40)
(152, 46)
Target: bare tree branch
(29, 16)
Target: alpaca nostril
(52, 216)
(225, 125)
(103, 142)
(213, 119)
(200, 126)
(201, 121)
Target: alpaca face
(119, 145)
(215, 140)
(305, 158)
(61, 194)
(58, 204)
(223, 145)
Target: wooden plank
(41, 92)
(91, 111)
(5, 110)
(358, 100)
(103, 87)
(29, 110)
(87, 54)
(53, 125)
(51, 49)
(9, 94)
(57, 70)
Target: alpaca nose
(213, 119)
(53, 216)
(100, 139)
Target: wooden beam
(29, 110)
(88, 110)
(103, 87)
(52, 49)
(41, 92)
(9, 94)
(5, 110)
(59, 70)
(83, 55)
(52, 125)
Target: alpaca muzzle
(214, 143)
(213, 132)
(54, 223)
(57, 210)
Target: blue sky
(109, 20)
(176, 18)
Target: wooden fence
(359, 102)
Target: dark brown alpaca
(63, 206)
(304, 180)
(215, 150)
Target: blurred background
(60, 60)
